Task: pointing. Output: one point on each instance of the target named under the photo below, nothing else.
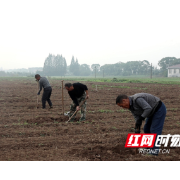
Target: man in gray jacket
(44, 83)
(144, 105)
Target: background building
(174, 71)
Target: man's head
(37, 76)
(69, 86)
(123, 101)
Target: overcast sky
(94, 31)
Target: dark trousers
(155, 123)
(46, 97)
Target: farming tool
(76, 111)
(62, 98)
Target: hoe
(76, 111)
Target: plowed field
(28, 133)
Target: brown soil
(28, 133)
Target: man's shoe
(50, 107)
(67, 114)
(82, 119)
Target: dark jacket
(77, 92)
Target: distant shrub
(114, 80)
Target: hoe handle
(76, 110)
(72, 115)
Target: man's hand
(137, 127)
(38, 93)
(77, 108)
(138, 124)
(87, 94)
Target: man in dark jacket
(44, 83)
(144, 105)
(78, 93)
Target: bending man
(78, 93)
(144, 105)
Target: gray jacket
(43, 83)
(143, 105)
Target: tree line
(57, 66)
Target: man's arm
(40, 87)
(145, 106)
(138, 123)
(147, 110)
(87, 94)
(43, 83)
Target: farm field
(31, 134)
